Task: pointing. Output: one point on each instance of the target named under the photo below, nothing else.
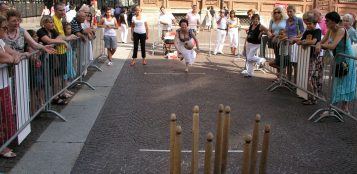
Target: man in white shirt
(71, 14)
(221, 32)
(193, 19)
(166, 19)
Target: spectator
(226, 11)
(321, 21)
(183, 35)
(344, 90)
(3, 8)
(347, 23)
(67, 7)
(16, 37)
(166, 19)
(117, 12)
(233, 25)
(110, 36)
(7, 121)
(124, 25)
(98, 15)
(277, 23)
(295, 29)
(207, 21)
(212, 11)
(71, 13)
(312, 36)
(58, 63)
(193, 19)
(140, 33)
(221, 33)
(253, 43)
(71, 72)
(45, 11)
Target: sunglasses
(277, 12)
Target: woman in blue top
(295, 28)
(277, 23)
(344, 87)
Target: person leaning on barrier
(7, 120)
(295, 29)
(347, 23)
(277, 23)
(320, 21)
(77, 28)
(344, 85)
(312, 36)
(16, 36)
(253, 41)
(89, 31)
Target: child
(71, 72)
(312, 36)
(283, 52)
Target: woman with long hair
(277, 23)
(140, 33)
(233, 25)
(110, 35)
(184, 40)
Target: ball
(189, 45)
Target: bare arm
(147, 30)
(265, 30)
(196, 40)
(48, 40)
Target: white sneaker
(109, 63)
(244, 72)
(214, 53)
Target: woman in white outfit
(233, 25)
(110, 36)
(183, 35)
(253, 43)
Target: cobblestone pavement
(137, 112)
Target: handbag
(341, 69)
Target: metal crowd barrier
(27, 89)
(303, 71)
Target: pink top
(193, 20)
(323, 26)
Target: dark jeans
(142, 38)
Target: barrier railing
(304, 71)
(29, 88)
(341, 96)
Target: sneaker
(109, 63)
(221, 53)
(186, 70)
(214, 53)
(244, 72)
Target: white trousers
(221, 37)
(124, 33)
(251, 51)
(233, 38)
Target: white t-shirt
(223, 23)
(193, 20)
(139, 25)
(4, 77)
(167, 18)
(109, 31)
(232, 22)
(70, 15)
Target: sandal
(144, 62)
(8, 154)
(132, 63)
(59, 101)
(309, 102)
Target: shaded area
(137, 112)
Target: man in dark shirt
(76, 25)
